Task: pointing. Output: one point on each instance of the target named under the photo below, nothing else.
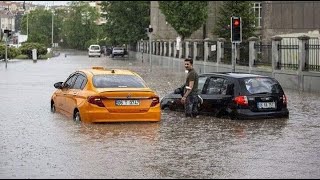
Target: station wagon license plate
(266, 105)
(127, 102)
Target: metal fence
(244, 54)
(264, 54)
(289, 53)
(212, 53)
(200, 51)
(227, 53)
(191, 50)
(183, 49)
(288, 49)
(313, 50)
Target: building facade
(272, 18)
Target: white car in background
(94, 50)
(118, 51)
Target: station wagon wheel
(76, 116)
(53, 107)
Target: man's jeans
(191, 105)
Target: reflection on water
(106, 131)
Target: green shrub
(26, 49)
(12, 52)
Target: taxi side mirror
(58, 85)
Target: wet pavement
(34, 143)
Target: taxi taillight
(96, 100)
(155, 101)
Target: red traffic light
(236, 22)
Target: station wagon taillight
(241, 100)
(96, 100)
(155, 101)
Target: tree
(185, 16)
(39, 26)
(17, 22)
(79, 25)
(126, 20)
(241, 9)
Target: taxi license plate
(127, 102)
(266, 105)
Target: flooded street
(35, 143)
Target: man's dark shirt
(193, 76)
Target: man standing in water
(190, 97)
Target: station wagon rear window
(260, 85)
(118, 81)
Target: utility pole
(8, 34)
(52, 25)
(6, 56)
(27, 24)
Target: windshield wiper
(260, 93)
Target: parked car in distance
(118, 51)
(94, 50)
(235, 95)
(106, 95)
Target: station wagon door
(215, 96)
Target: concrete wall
(287, 79)
(278, 17)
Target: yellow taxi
(106, 95)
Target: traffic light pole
(234, 51)
(236, 37)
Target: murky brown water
(34, 143)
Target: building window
(257, 13)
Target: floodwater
(35, 143)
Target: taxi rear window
(118, 81)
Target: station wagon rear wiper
(260, 93)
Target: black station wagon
(235, 95)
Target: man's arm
(189, 89)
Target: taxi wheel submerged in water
(53, 107)
(76, 116)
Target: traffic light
(8, 32)
(236, 29)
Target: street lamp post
(27, 24)
(6, 55)
(52, 25)
(150, 49)
(52, 29)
